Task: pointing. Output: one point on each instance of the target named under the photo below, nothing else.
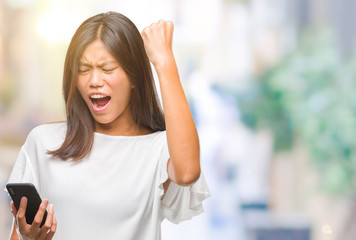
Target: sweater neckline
(124, 137)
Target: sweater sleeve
(22, 171)
(181, 203)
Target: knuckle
(53, 230)
(37, 221)
(47, 226)
(146, 31)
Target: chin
(103, 120)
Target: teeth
(96, 96)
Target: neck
(131, 129)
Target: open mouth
(99, 101)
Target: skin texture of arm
(182, 137)
(14, 234)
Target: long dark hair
(125, 43)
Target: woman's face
(105, 88)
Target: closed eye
(83, 71)
(109, 70)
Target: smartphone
(28, 190)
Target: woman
(117, 167)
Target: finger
(153, 25)
(170, 24)
(21, 213)
(48, 224)
(146, 32)
(13, 206)
(169, 32)
(14, 212)
(53, 229)
(39, 216)
(13, 209)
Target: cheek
(123, 94)
(121, 87)
(80, 84)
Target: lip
(95, 108)
(97, 93)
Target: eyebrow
(99, 65)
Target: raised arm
(182, 136)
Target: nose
(96, 80)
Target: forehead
(96, 52)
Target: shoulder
(160, 140)
(48, 129)
(159, 136)
(153, 140)
(47, 133)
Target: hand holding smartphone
(28, 190)
(29, 210)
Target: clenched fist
(158, 42)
